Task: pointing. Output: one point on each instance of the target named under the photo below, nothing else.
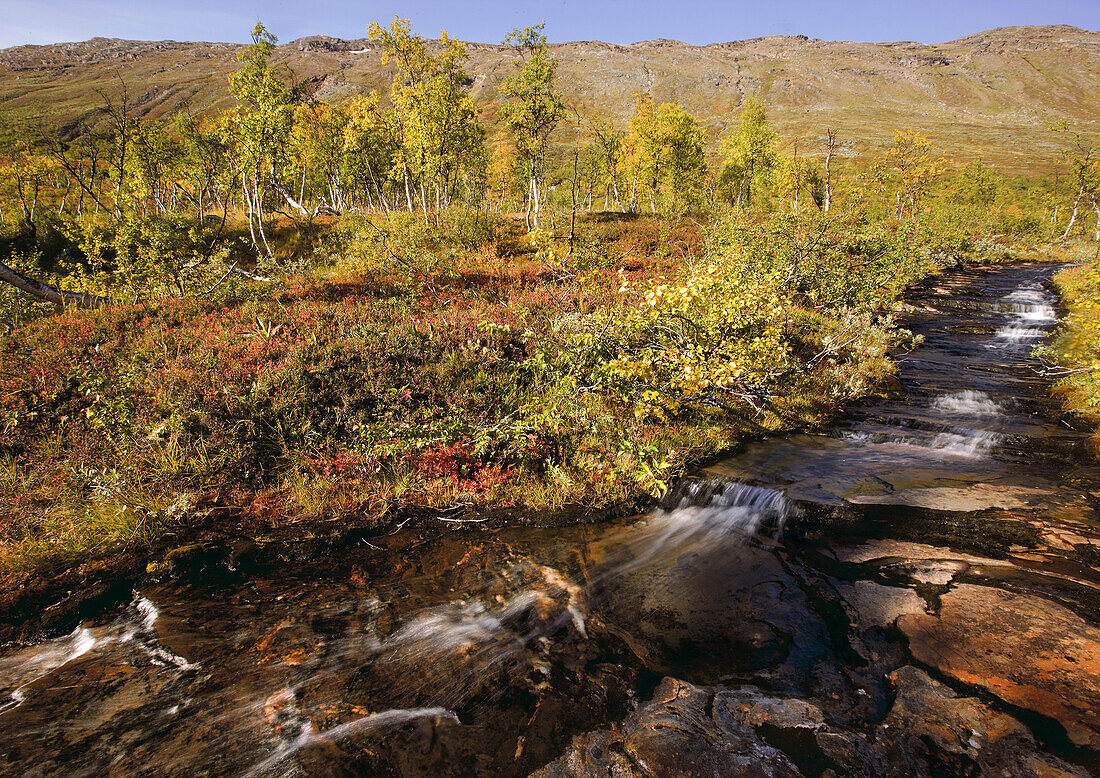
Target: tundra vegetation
(300, 317)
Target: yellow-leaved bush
(1073, 355)
(711, 339)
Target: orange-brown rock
(1026, 650)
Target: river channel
(912, 592)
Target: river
(913, 592)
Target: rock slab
(1028, 651)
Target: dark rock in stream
(933, 731)
(687, 730)
(683, 731)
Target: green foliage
(203, 167)
(258, 130)
(665, 152)
(799, 181)
(774, 305)
(1074, 354)
(403, 248)
(1084, 164)
(533, 107)
(16, 307)
(909, 167)
(709, 339)
(371, 149)
(142, 259)
(441, 140)
(263, 116)
(610, 151)
(316, 151)
(978, 186)
(750, 154)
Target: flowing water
(498, 652)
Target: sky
(616, 21)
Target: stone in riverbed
(938, 572)
(963, 498)
(909, 552)
(879, 606)
(687, 730)
(931, 730)
(1028, 651)
(674, 735)
(735, 708)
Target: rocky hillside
(992, 94)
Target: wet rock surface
(916, 594)
(932, 730)
(1026, 650)
(683, 731)
(690, 731)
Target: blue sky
(619, 21)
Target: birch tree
(913, 161)
(750, 153)
(666, 153)
(533, 109)
(1084, 163)
(259, 129)
(439, 133)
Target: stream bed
(914, 592)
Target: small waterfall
(1016, 333)
(968, 403)
(435, 659)
(707, 516)
(1030, 302)
(968, 444)
(955, 442)
(723, 509)
(1031, 312)
(1028, 312)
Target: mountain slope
(992, 94)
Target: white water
(707, 516)
(963, 442)
(1031, 302)
(450, 649)
(968, 403)
(731, 510)
(23, 668)
(958, 442)
(307, 735)
(1016, 333)
(1032, 311)
(967, 444)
